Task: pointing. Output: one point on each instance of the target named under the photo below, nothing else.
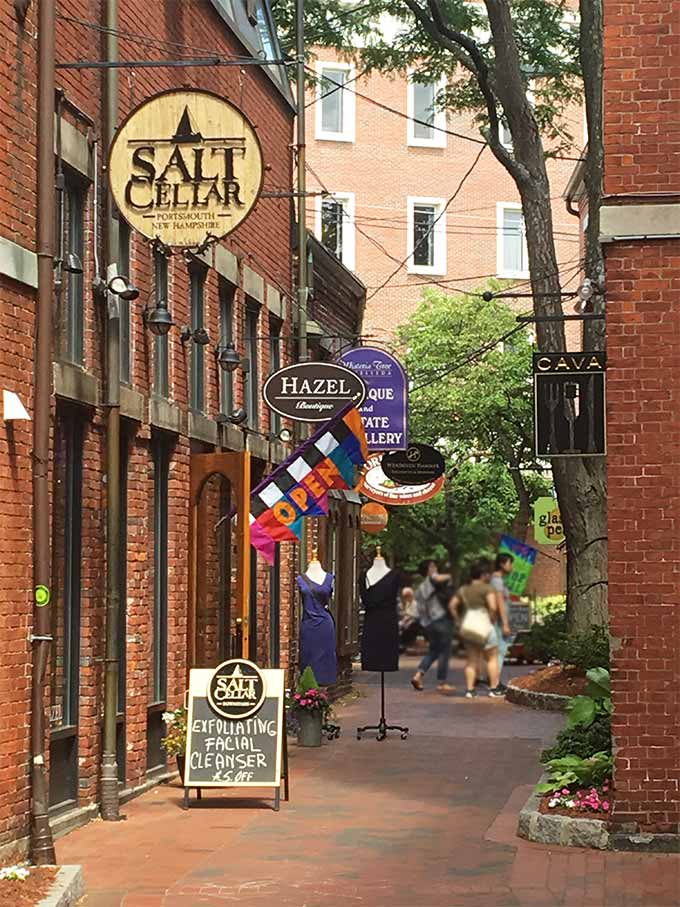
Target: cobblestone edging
(562, 830)
(67, 888)
(549, 702)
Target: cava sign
(312, 391)
(185, 166)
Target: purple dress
(317, 630)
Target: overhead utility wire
(429, 232)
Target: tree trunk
(520, 526)
(579, 482)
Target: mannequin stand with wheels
(380, 642)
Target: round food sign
(185, 166)
(377, 486)
(236, 689)
(374, 517)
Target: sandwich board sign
(235, 728)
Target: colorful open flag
(299, 487)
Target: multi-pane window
(336, 103)
(74, 209)
(161, 377)
(124, 267)
(252, 375)
(427, 235)
(226, 294)
(512, 258)
(274, 365)
(426, 121)
(197, 369)
(335, 226)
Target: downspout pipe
(301, 181)
(42, 846)
(110, 801)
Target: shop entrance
(219, 553)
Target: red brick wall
(262, 242)
(642, 91)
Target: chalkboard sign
(520, 616)
(234, 752)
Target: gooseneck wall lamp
(227, 357)
(158, 319)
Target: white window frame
(438, 234)
(348, 233)
(438, 139)
(348, 133)
(501, 208)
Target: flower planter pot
(180, 766)
(309, 732)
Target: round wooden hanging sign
(374, 517)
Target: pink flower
(605, 805)
(303, 703)
(313, 692)
(565, 790)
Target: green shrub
(582, 741)
(544, 638)
(586, 650)
(572, 769)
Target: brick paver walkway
(426, 822)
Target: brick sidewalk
(426, 822)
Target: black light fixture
(585, 295)
(72, 263)
(285, 435)
(238, 416)
(227, 357)
(123, 287)
(158, 319)
(199, 335)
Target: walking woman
(478, 594)
(434, 617)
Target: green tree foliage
(478, 411)
(547, 37)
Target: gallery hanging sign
(377, 486)
(417, 465)
(385, 410)
(313, 391)
(235, 732)
(569, 404)
(184, 167)
(548, 528)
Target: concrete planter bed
(549, 702)
(533, 825)
(67, 888)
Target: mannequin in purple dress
(317, 627)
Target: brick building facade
(641, 232)
(175, 400)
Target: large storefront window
(66, 583)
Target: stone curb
(67, 888)
(561, 830)
(548, 702)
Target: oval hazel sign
(313, 391)
(185, 166)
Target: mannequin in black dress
(379, 590)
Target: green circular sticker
(42, 596)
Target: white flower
(553, 803)
(168, 717)
(14, 873)
(570, 804)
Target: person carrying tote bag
(477, 628)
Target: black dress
(380, 638)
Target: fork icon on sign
(553, 401)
